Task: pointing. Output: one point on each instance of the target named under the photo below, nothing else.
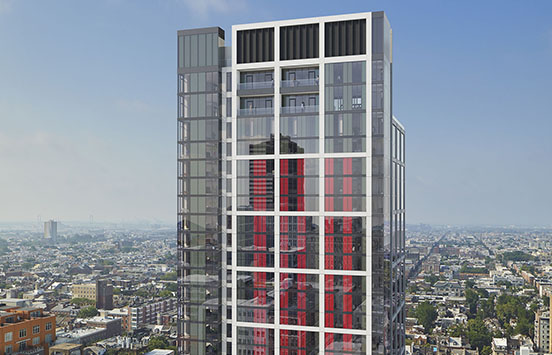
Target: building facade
(290, 189)
(50, 230)
(104, 294)
(101, 291)
(26, 329)
(149, 313)
(87, 291)
(542, 331)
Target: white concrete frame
(277, 65)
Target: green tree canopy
(426, 315)
(88, 312)
(79, 301)
(170, 276)
(471, 299)
(478, 334)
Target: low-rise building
(26, 328)
(87, 291)
(148, 313)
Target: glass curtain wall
(199, 190)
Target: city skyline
(100, 141)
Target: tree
(457, 330)
(170, 276)
(165, 294)
(482, 292)
(516, 256)
(487, 350)
(478, 334)
(471, 299)
(426, 315)
(470, 283)
(142, 292)
(79, 301)
(87, 312)
(431, 279)
(173, 287)
(486, 308)
(510, 307)
(159, 342)
(523, 327)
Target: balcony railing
(299, 83)
(256, 85)
(299, 109)
(256, 111)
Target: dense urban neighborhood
(105, 289)
(112, 289)
(478, 290)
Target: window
(22, 345)
(49, 326)
(23, 332)
(338, 104)
(36, 329)
(228, 107)
(8, 337)
(8, 349)
(229, 81)
(36, 340)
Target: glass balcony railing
(256, 85)
(256, 111)
(299, 109)
(299, 83)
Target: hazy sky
(88, 104)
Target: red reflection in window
(339, 185)
(292, 184)
(259, 184)
(259, 240)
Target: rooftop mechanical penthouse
(291, 201)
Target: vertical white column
(277, 106)
(369, 183)
(224, 267)
(235, 106)
(321, 187)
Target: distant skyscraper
(50, 230)
(290, 189)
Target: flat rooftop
(65, 346)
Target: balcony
(256, 88)
(299, 85)
(256, 111)
(291, 110)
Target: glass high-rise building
(290, 189)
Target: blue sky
(87, 104)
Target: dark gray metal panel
(195, 31)
(345, 38)
(255, 45)
(198, 69)
(299, 42)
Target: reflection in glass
(298, 242)
(256, 241)
(345, 301)
(255, 297)
(299, 299)
(299, 184)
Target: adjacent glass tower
(290, 189)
